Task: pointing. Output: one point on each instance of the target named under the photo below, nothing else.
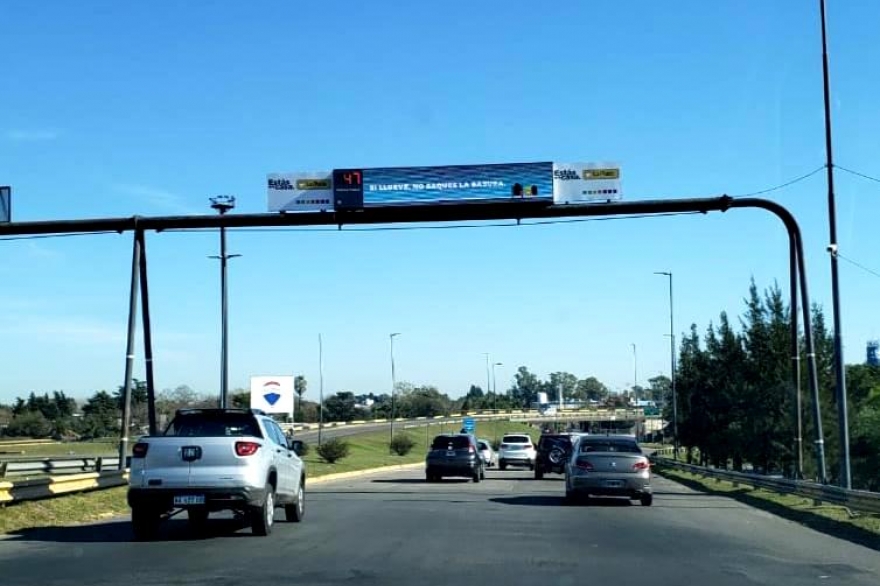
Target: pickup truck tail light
(246, 448)
(640, 466)
(140, 450)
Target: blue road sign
(469, 425)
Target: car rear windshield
(483, 445)
(517, 439)
(213, 424)
(609, 446)
(445, 442)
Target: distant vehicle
(516, 450)
(608, 466)
(552, 452)
(490, 458)
(454, 455)
(216, 459)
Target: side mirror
(295, 445)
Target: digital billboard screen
(388, 186)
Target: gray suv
(454, 455)
(216, 459)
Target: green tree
(299, 386)
(29, 424)
(659, 389)
(592, 389)
(101, 416)
(525, 387)
(340, 407)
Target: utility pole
(839, 366)
(320, 387)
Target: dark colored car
(552, 453)
(454, 455)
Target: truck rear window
(207, 424)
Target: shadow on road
(421, 481)
(120, 531)
(558, 501)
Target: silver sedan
(611, 465)
(490, 457)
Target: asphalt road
(509, 530)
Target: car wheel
(296, 511)
(647, 500)
(476, 476)
(263, 516)
(482, 473)
(531, 465)
(144, 523)
(539, 473)
(571, 498)
(502, 465)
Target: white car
(517, 450)
(490, 458)
(210, 460)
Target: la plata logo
(566, 174)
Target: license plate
(450, 454)
(189, 499)
(614, 483)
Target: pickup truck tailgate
(182, 462)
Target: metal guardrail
(59, 465)
(41, 488)
(855, 500)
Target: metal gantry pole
(129, 352)
(796, 362)
(148, 333)
(839, 365)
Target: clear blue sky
(110, 109)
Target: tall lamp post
(839, 367)
(635, 371)
(672, 364)
(495, 398)
(223, 203)
(320, 387)
(393, 386)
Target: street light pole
(495, 399)
(839, 366)
(223, 203)
(672, 364)
(393, 386)
(320, 386)
(635, 371)
(488, 383)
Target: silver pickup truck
(216, 459)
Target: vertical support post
(148, 333)
(320, 387)
(839, 366)
(812, 371)
(796, 361)
(129, 354)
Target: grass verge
(369, 450)
(60, 449)
(833, 520)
